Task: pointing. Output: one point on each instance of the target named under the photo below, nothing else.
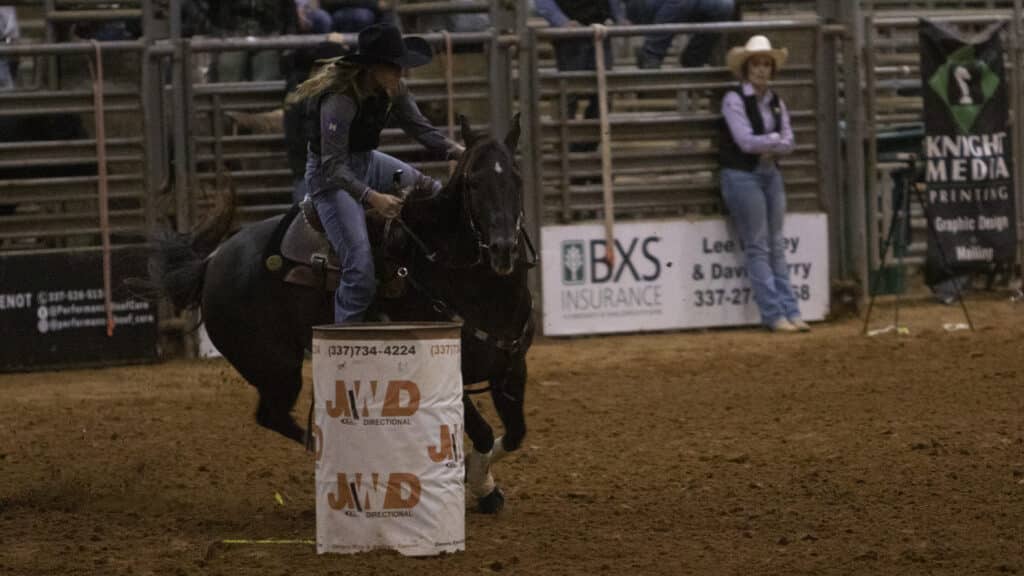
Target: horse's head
(491, 192)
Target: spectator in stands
(252, 18)
(579, 53)
(756, 130)
(353, 99)
(350, 16)
(698, 50)
(312, 19)
(9, 33)
(455, 21)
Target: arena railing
(49, 187)
(665, 160)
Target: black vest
(730, 155)
(364, 134)
(586, 12)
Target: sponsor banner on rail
(670, 274)
(968, 150)
(388, 426)
(52, 311)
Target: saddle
(301, 254)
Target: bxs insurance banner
(970, 198)
(670, 274)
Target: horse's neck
(497, 304)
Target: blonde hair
(331, 76)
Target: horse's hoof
(492, 503)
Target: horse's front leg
(489, 497)
(509, 392)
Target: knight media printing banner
(670, 274)
(967, 148)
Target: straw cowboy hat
(384, 44)
(738, 56)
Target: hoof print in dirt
(492, 503)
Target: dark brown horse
(465, 257)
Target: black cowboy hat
(383, 44)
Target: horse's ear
(467, 130)
(512, 138)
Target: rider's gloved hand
(456, 151)
(387, 205)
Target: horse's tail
(179, 260)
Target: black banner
(968, 150)
(52, 312)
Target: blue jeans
(6, 78)
(344, 221)
(757, 203)
(698, 49)
(353, 19)
(320, 22)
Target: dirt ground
(725, 452)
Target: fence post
(856, 203)
(152, 119)
(499, 70)
(1017, 105)
(181, 87)
(530, 145)
(53, 61)
(827, 89)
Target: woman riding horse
(354, 97)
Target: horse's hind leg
(276, 372)
(278, 392)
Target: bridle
(509, 346)
(481, 243)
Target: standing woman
(756, 131)
(350, 102)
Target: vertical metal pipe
(180, 133)
(52, 62)
(871, 168)
(189, 118)
(530, 145)
(500, 73)
(218, 142)
(563, 117)
(147, 20)
(152, 117)
(826, 81)
(1017, 41)
(499, 88)
(856, 202)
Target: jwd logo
(635, 261)
(375, 495)
(447, 449)
(361, 401)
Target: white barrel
(388, 428)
